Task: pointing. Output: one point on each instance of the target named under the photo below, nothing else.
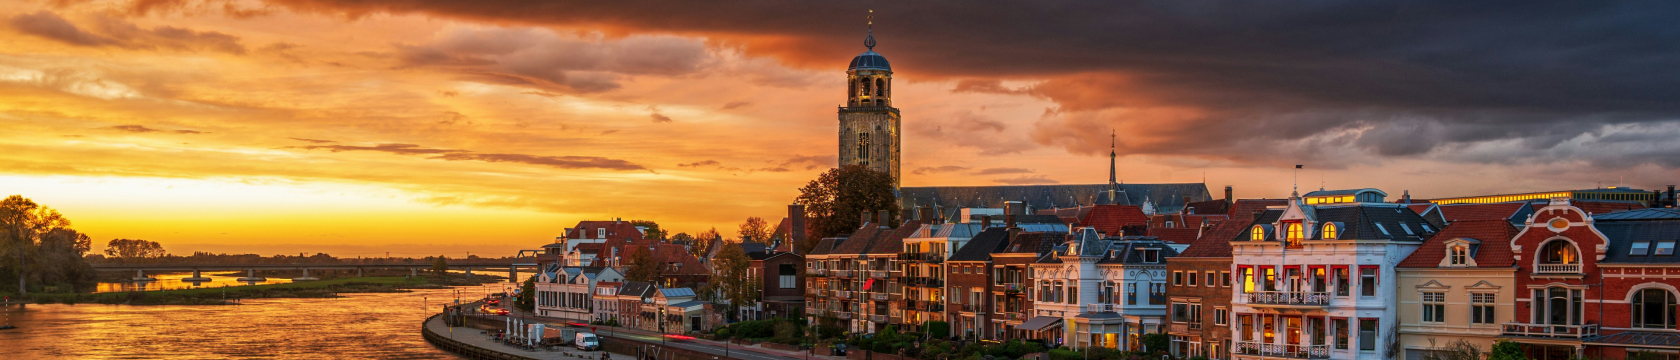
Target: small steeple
(1111, 178)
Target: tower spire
(1111, 135)
(869, 40)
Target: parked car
(839, 349)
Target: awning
(1038, 323)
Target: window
(863, 148)
(1330, 231)
(1248, 279)
(1191, 277)
(1258, 233)
(1195, 313)
(1408, 229)
(1434, 307)
(1640, 249)
(1381, 228)
(787, 276)
(1653, 309)
(1178, 278)
(1557, 306)
(1131, 294)
(1073, 294)
(1481, 308)
(1293, 236)
(1180, 312)
(1271, 279)
(1212, 277)
(1367, 281)
(1367, 334)
(1560, 252)
(1651, 354)
(1221, 316)
(1225, 278)
(1459, 255)
(1665, 248)
(1151, 256)
(1341, 330)
(1342, 281)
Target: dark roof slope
(981, 246)
(1216, 241)
(860, 240)
(636, 288)
(1494, 251)
(1375, 222)
(1176, 235)
(1622, 235)
(826, 245)
(1215, 206)
(892, 242)
(1641, 214)
(1129, 250)
(1169, 197)
(1034, 242)
(1597, 206)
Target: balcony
(970, 308)
(1012, 316)
(1557, 269)
(880, 296)
(878, 318)
(1294, 351)
(1181, 328)
(1100, 308)
(929, 258)
(878, 274)
(843, 294)
(842, 315)
(925, 282)
(1551, 331)
(935, 306)
(1012, 288)
(816, 272)
(841, 273)
(1287, 298)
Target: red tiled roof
(1494, 252)
(1216, 241)
(1215, 206)
(589, 248)
(893, 242)
(860, 240)
(1493, 211)
(1110, 218)
(615, 229)
(667, 254)
(1419, 208)
(1176, 235)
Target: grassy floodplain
(233, 294)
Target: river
(355, 326)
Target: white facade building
(1102, 292)
(1314, 279)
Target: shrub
(1065, 354)
(939, 329)
(723, 334)
(1155, 342)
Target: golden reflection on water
(173, 282)
(356, 326)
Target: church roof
(869, 60)
(1166, 197)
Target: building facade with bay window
(1315, 278)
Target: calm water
(173, 282)
(357, 326)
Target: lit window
(1460, 255)
(1294, 234)
(1330, 231)
(1258, 233)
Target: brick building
(1200, 292)
(1012, 289)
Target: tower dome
(869, 60)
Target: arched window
(1330, 231)
(1257, 234)
(1557, 306)
(1294, 234)
(863, 149)
(866, 87)
(1653, 309)
(1460, 255)
(852, 89)
(879, 86)
(1559, 252)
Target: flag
(1297, 166)
(867, 284)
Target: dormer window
(1152, 256)
(1665, 248)
(1459, 255)
(1408, 229)
(1381, 229)
(1640, 249)
(1330, 231)
(1258, 233)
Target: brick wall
(1211, 297)
(963, 278)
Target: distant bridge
(414, 269)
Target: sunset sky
(439, 126)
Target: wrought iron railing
(1297, 351)
(1100, 308)
(1549, 330)
(1314, 298)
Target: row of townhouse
(1344, 275)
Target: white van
(587, 342)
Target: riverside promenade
(477, 338)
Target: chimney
(1228, 198)
(1010, 209)
(796, 226)
(886, 218)
(928, 214)
(867, 215)
(1671, 201)
(985, 221)
(1405, 196)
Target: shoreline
(232, 295)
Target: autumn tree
(754, 229)
(642, 265)
(440, 265)
(733, 284)
(650, 229)
(834, 201)
(704, 242)
(132, 249)
(36, 243)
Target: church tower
(869, 125)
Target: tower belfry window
(863, 149)
(878, 86)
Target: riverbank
(233, 294)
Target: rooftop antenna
(869, 41)
(1297, 186)
(1321, 180)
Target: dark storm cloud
(1252, 81)
(562, 162)
(542, 59)
(119, 33)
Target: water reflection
(174, 282)
(356, 326)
